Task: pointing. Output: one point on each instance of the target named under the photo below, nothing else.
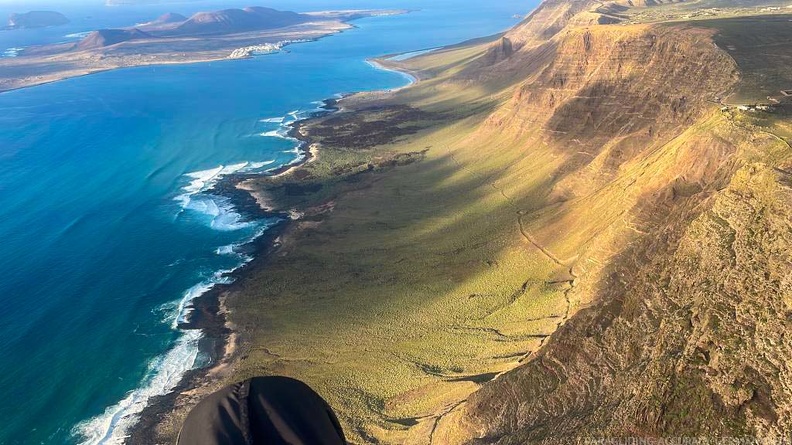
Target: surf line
(165, 373)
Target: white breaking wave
(259, 165)
(232, 249)
(164, 373)
(274, 134)
(183, 308)
(272, 120)
(167, 370)
(12, 52)
(201, 181)
(222, 213)
(226, 250)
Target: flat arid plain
(578, 229)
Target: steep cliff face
(687, 337)
(547, 20)
(681, 271)
(608, 93)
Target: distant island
(36, 19)
(227, 21)
(173, 38)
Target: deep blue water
(101, 235)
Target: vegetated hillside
(230, 21)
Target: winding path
(546, 252)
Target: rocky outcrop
(36, 19)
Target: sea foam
(280, 133)
(12, 52)
(183, 309)
(221, 211)
(163, 374)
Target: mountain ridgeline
(169, 17)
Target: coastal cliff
(564, 232)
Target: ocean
(106, 229)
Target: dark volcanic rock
(229, 21)
(107, 37)
(36, 19)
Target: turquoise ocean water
(104, 229)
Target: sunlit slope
(685, 337)
(683, 334)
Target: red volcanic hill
(107, 37)
(229, 21)
(170, 17)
